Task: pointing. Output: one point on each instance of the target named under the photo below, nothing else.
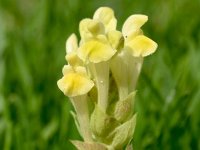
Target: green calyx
(124, 108)
(101, 124)
(123, 134)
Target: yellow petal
(95, 51)
(115, 38)
(106, 16)
(141, 46)
(71, 44)
(75, 84)
(133, 23)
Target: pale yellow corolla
(75, 81)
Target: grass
(34, 114)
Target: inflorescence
(101, 76)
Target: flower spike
(101, 77)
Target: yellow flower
(95, 46)
(135, 42)
(75, 81)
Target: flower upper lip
(106, 16)
(133, 24)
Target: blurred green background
(34, 114)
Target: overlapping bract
(103, 50)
